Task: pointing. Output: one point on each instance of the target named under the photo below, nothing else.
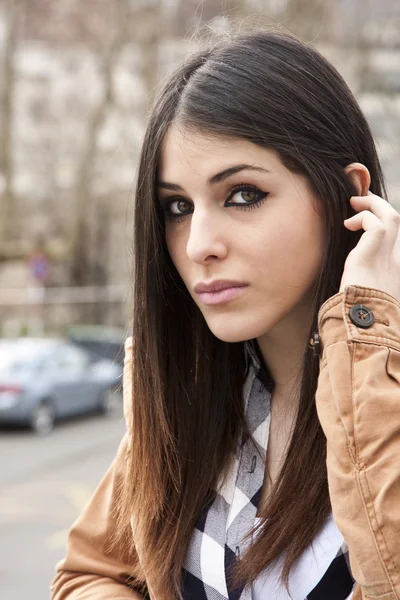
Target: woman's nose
(207, 238)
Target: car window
(15, 360)
(74, 359)
(67, 359)
(12, 364)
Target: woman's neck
(284, 346)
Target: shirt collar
(251, 354)
(257, 370)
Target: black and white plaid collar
(218, 539)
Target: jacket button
(361, 316)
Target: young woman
(262, 395)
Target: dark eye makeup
(251, 196)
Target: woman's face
(234, 212)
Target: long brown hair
(273, 90)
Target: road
(44, 485)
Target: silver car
(43, 380)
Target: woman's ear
(359, 176)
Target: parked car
(43, 380)
(107, 342)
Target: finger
(365, 220)
(379, 207)
(375, 232)
(388, 216)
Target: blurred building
(75, 82)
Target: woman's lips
(225, 295)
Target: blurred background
(76, 81)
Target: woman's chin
(235, 330)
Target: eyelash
(242, 187)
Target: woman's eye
(177, 207)
(244, 195)
(176, 210)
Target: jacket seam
(361, 466)
(386, 596)
(378, 341)
(369, 506)
(353, 454)
(356, 447)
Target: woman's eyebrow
(217, 178)
(232, 170)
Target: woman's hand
(375, 261)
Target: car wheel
(111, 403)
(42, 420)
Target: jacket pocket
(393, 365)
(389, 596)
(358, 594)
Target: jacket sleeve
(358, 404)
(94, 568)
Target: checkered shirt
(217, 540)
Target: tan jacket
(358, 403)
